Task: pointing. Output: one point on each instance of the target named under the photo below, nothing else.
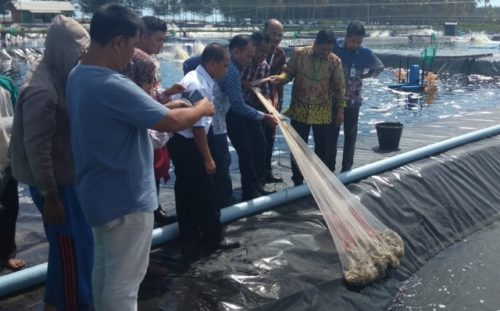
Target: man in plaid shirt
(276, 60)
(257, 70)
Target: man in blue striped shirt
(358, 63)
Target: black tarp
(288, 260)
(483, 64)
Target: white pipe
(36, 275)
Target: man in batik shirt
(318, 78)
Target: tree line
(371, 11)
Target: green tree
(392, 11)
(4, 6)
(90, 6)
(137, 5)
(207, 7)
(161, 7)
(175, 8)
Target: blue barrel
(414, 78)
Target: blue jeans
(219, 149)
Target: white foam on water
(380, 34)
(180, 53)
(480, 38)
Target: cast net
(366, 247)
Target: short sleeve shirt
(355, 64)
(109, 116)
(198, 80)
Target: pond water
(465, 276)
(477, 43)
(456, 95)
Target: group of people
(93, 133)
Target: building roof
(44, 6)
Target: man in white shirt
(197, 208)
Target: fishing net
(366, 247)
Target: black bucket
(389, 134)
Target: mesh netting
(366, 247)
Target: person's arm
(174, 89)
(231, 86)
(280, 88)
(375, 66)
(262, 73)
(182, 118)
(339, 91)
(280, 91)
(158, 93)
(178, 103)
(53, 209)
(372, 73)
(39, 126)
(288, 73)
(158, 139)
(200, 139)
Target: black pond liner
(486, 63)
(288, 261)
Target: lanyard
(272, 59)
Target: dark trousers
(269, 135)
(195, 195)
(9, 200)
(351, 116)
(322, 141)
(220, 153)
(247, 137)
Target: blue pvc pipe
(36, 275)
(23, 279)
(237, 211)
(417, 154)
